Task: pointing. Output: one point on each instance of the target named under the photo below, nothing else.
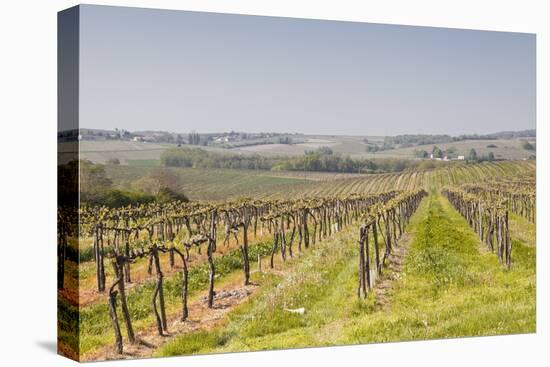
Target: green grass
(144, 162)
(313, 280)
(523, 230)
(450, 287)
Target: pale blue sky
(181, 71)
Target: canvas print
(234, 183)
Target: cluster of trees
(410, 140)
(195, 139)
(96, 188)
(321, 159)
(528, 146)
(437, 152)
(325, 163)
(474, 157)
(451, 151)
(200, 158)
(170, 138)
(373, 148)
(531, 133)
(284, 140)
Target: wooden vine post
(210, 254)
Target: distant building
(460, 158)
(223, 139)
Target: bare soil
(200, 318)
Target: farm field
(355, 147)
(129, 152)
(221, 184)
(503, 149)
(102, 151)
(309, 298)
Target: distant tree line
(321, 159)
(530, 133)
(200, 158)
(410, 140)
(418, 139)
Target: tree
(527, 146)
(284, 140)
(491, 157)
(420, 153)
(472, 156)
(167, 195)
(194, 138)
(437, 152)
(157, 180)
(113, 161)
(93, 177)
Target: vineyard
(486, 209)
(147, 275)
(199, 185)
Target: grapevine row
(389, 220)
(127, 234)
(487, 215)
(518, 196)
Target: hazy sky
(181, 71)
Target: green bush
(528, 146)
(166, 194)
(114, 198)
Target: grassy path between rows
(523, 230)
(450, 287)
